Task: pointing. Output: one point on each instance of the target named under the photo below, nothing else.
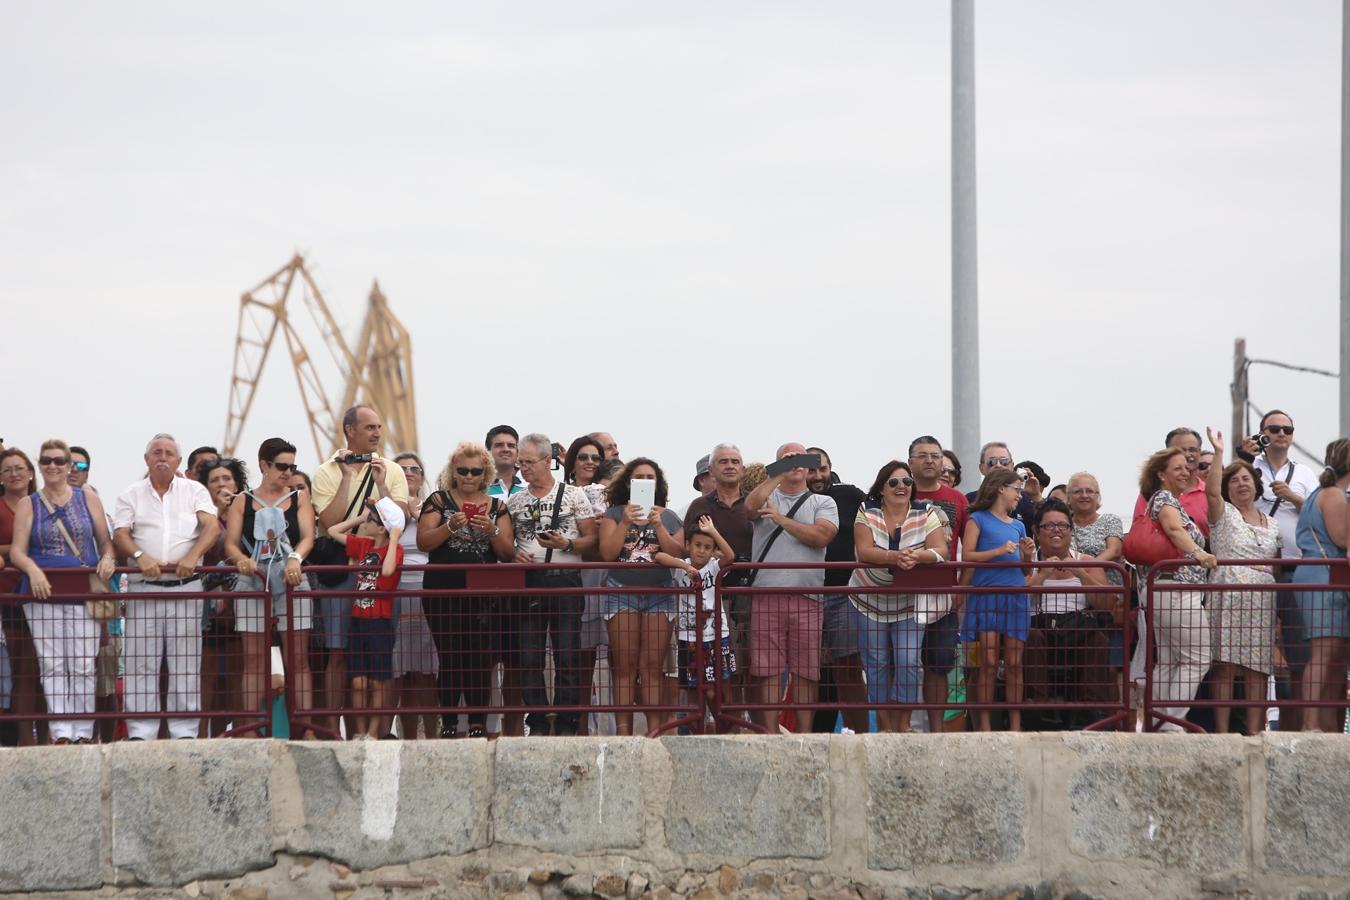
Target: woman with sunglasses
(415, 661)
(17, 476)
(892, 530)
(460, 524)
(951, 469)
(581, 466)
(62, 527)
(269, 531)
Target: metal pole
(1239, 394)
(1345, 217)
(965, 281)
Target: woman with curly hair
(639, 625)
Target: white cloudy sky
(683, 223)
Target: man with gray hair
(163, 524)
(554, 523)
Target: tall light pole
(1345, 218)
(965, 274)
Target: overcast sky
(682, 223)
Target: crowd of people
(778, 581)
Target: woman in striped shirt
(893, 531)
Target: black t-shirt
(848, 498)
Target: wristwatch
(135, 557)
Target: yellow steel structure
(378, 373)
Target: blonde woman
(416, 666)
(460, 523)
(62, 527)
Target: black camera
(358, 458)
(1262, 440)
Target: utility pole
(965, 281)
(1345, 219)
(1238, 389)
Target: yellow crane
(379, 372)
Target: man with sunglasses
(340, 485)
(996, 455)
(1285, 485)
(79, 467)
(200, 460)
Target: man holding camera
(791, 524)
(355, 474)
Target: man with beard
(841, 676)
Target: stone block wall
(1110, 815)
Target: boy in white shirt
(705, 547)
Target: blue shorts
(336, 614)
(939, 645)
(1005, 614)
(691, 675)
(370, 652)
(838, 630)
(638, 603)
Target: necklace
(54, 499)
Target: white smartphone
(642, 491)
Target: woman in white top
(415, 662)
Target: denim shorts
(637, 603)
(839, 630)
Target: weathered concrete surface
(978, 782)
(49, 818)
(186, 810)
(1115, 815)
(750, 798)
(375, 803)
(569, 796)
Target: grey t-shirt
(787, 548)
(639, 545)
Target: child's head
(700, 547)
(381, 517)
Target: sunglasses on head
(465, 470)
(283, 467)
(1276, 429)
(53, 460)
(896, 482)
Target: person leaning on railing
(1180, 625)
(892, 531)
(1243, 620)
(62, 527)
(222, 646)
(1322, 533)
(17, 475)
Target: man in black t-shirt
(840, 665)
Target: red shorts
(785, 634)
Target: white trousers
(168, 629)
(1182, 653)
(67, 645)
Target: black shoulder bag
(748, 576)
(328, 552)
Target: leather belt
(175, 583)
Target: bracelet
(569, 545)
(295, 556)
(937, 557)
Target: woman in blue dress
(993, 535)
(1321, 534)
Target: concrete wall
(869, 816)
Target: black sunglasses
(465, 470)
(283, 467)
(1276, 429)
(896, 482)
(589, 457)
(53, 460)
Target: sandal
(448, 731)
(477, 731)
(61, 742)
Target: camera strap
(557, 509)
(1287, 473)
(363, 490)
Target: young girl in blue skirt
(993, 535)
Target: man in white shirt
(163, 524)
(1284, 486)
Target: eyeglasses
(412, 470)
(896, 482)
(465, 470)
(1203, 467)
(589, 457)
(283, 467)
(1055, 526)
(927, 456)
(81, 466)
(1085, 492)
(14, 470)
(998, 461)
(1276, 429)
(53, 460)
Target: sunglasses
(81, 467)
(1203, 467)
(998, 461)
(1276, 429)
(948, 470)
(283, 467)
(589, 457)
(896, 482)
(53, 460)
(465, 470)
(412, 470)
